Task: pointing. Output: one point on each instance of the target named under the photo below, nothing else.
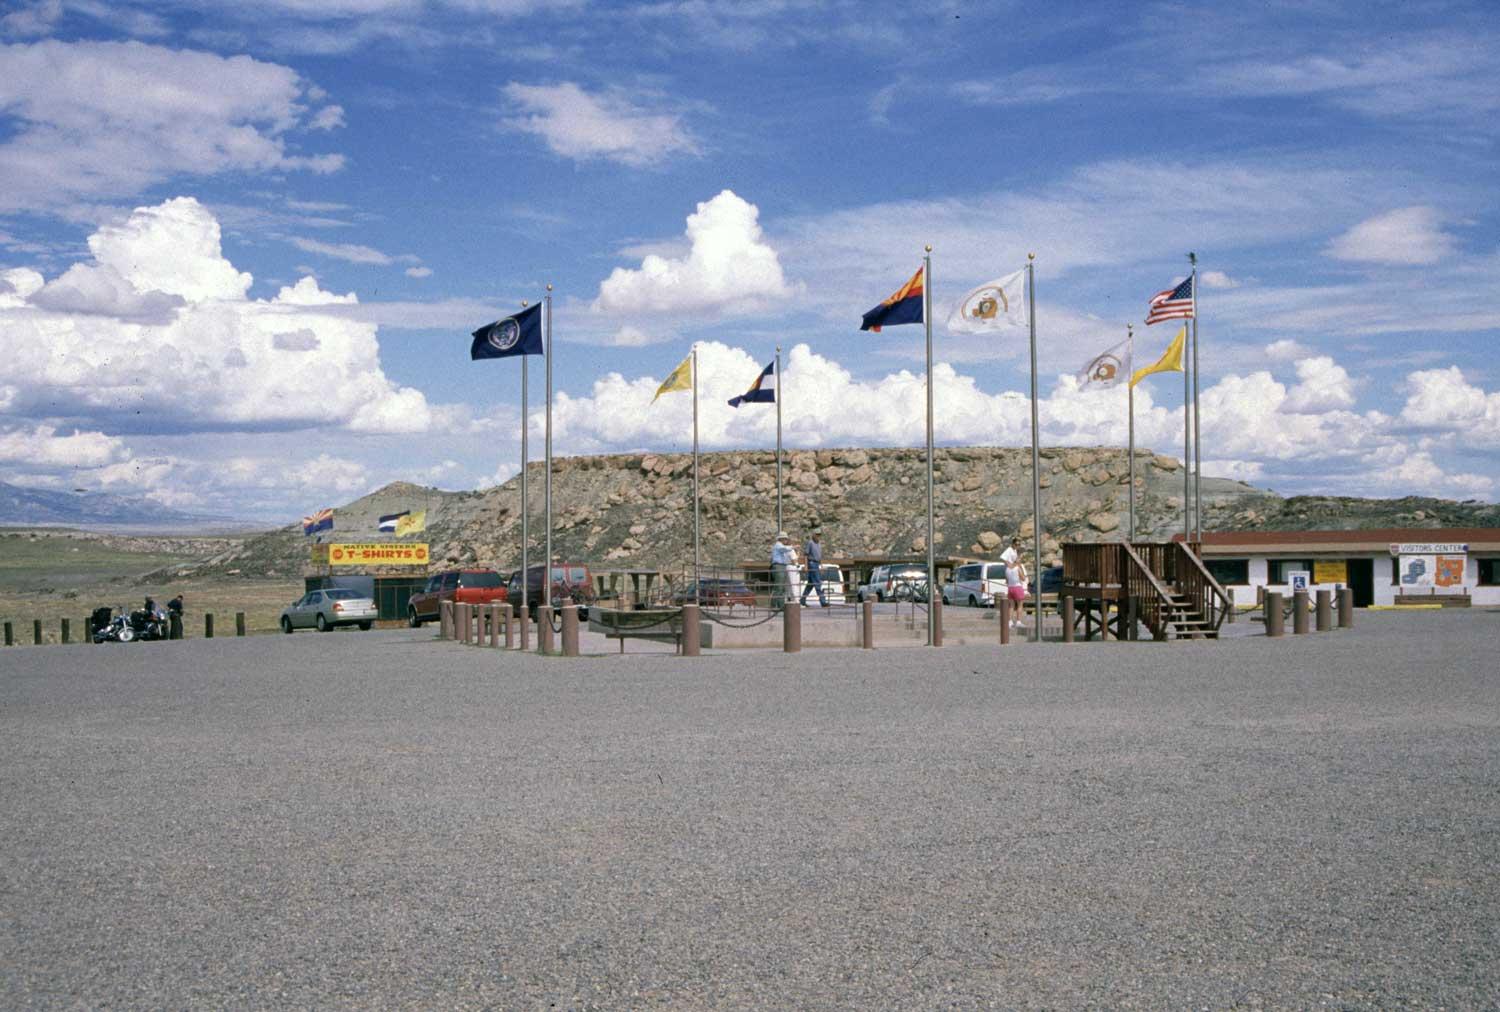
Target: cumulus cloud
(42, 446)
(609, 125)
(219, 360)
(1443, 400)
(729, 268)
(1407, 235)
(117, 117)
(1324, 386)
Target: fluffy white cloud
(1407, 235)
(729, 268)
(102, 119)
(41, 446)
(1442, 400)
(609, 125)
(1324, 386)
(218, 359)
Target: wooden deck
(1117, 588)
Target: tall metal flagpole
(525, 531)
(697, 559)
(547, 484)
(1187, 452)
(1130, 364)
(780, 390)
(932, 587)
(1197, 446)
(1036, 453)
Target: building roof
(1377, 540)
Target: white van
(833, 583)
(975, 584)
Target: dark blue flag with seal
(520, 334)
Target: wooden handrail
(1144, 586)
(1199, 584)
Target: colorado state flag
(903, 307)
(762, 391)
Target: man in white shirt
(783, 556)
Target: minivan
(975, 584)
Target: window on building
(1489, 572)
(1229, 572)
(1279, 568)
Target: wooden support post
(791, 628)
(692, 632)
(239, 623)
(1067, 618)
(867, 625)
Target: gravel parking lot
(382, 819)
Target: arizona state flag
(905, 306)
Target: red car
(464, 586)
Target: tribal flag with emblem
(411, 523)
(388, 522)
(1170, 361)
(904, 306)
(520, 334)
(992, 306)
(762, 391)
(1172, 304)
(681, 378)
(1106, 369)
(319, 521)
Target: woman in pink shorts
(1015, 588)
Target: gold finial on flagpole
(1030, 256)
(549, 287)
(928, 247)
(523, 303)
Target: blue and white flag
(762, 391)
(388, 522)
(520, 334)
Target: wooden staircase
(1162, 586)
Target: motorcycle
(126, 627)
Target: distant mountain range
(25, 507)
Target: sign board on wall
(1298, 579)
(1430, 548)
(376, 553)
(1431, 570)
(1330, 571)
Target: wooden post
(509, 615)
(1275, 620)
(544, 629)
(1002, 606)
(239, 623)
(1325, 610)
(445, 619)
(867, 624)
(936, 604)
(1346, 608)
(692, 632)
(1299, 613)
(1067, 618)
(791, 628)
(525, 630)
(208, 625)
(570, 629)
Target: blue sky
(242, 246)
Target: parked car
(325, 609)
(833, 583)
(717, 592)
(570, 582)
(1052, 580)
(463, 586)
(975, 584)
(902, 581)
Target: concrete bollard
(208, 625)
(508, 615)
(1325, 610)
(65, 630)
(692, 632)
(239, 623)
(937, 621)
(1002, 607)
(867, 624)
(525, 629)
(1275, 620)
(495, 625)
(1066, 604)
(791, 628)
(570, 629)
(1346, 607)
(445, 619)
(463, 616)
(1299, 613)
(544, 644)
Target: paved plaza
(385, 819)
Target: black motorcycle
(126, 627)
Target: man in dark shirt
(813, 553)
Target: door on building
(1361, 574)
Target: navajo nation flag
(905, 306)
(1172, 304)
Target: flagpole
(780, 392)
(932, 588)
(697, 561)
(525, 531)
(1130, 359)
(1187, 451)
(1036, 453)
(547, 484)
(1197, 445)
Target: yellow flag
(412, 523)
(1170, 361)
(681, 379)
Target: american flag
(1172, 304)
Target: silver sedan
(325, 609)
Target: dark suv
(570, 582)
(464, 586)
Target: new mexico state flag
(1170, 361)
(412, 523)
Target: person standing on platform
(783, 555)
(812, 552)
